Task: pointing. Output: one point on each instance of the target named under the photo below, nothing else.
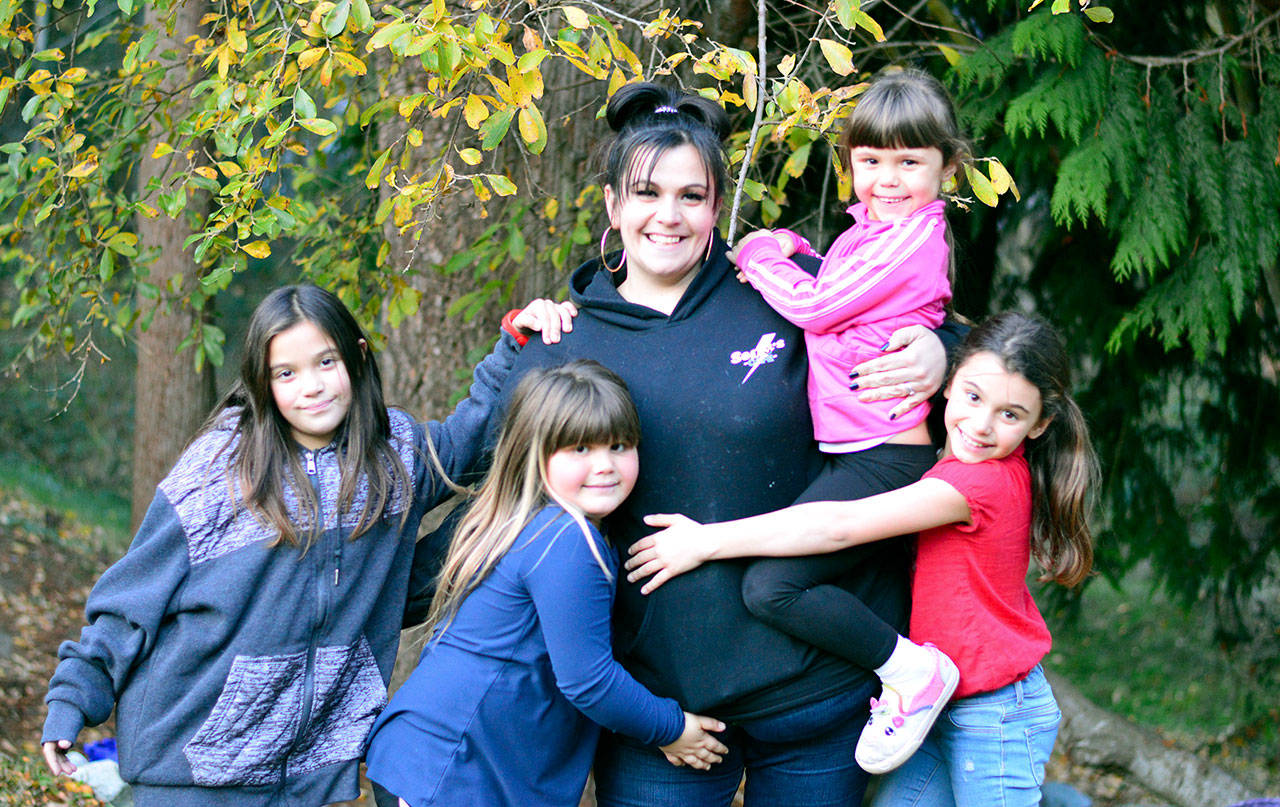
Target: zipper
(308, 686)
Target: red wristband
(508, 325)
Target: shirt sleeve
(877, 269)
(574, 599)
(982, 484)
(124, 612)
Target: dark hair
(1064, 468)
(579, 403)
(650, 120)
(905, 108)
(264, 458)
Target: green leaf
(495, 128)
(303, 105)
(335, 22)
(374, 178)
(1099, 14)
(501, 185)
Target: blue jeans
(800, 758)
(985, 749)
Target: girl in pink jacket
(889, 270)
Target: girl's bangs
(601, 419)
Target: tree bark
(1094, 736)
(171, 398)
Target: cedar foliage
(1154, 144)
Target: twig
(761, 70)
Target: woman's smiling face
(665, 215)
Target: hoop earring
(603, 261)
(711, 242)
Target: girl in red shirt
(1012, 483)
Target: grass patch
(103, 509)
(1135, 652)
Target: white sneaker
(900, 721)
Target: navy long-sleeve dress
(506, 703)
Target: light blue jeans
(985, 749)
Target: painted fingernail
(884, 347)
(894, 416)
(854, 385)
(853, 374)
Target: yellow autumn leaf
(981, 186)
(352, 64)
(206, 172)
(1001, 179)
(950, 54)
(310, 56)
(228, 168)
(258, 249)
(533, 130)
(838, 56)
(236, 38)
(161, 150)
(576, 16)
(475, 111)
(470, 156)
(84, 169)
(415, 137)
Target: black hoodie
(720, 388)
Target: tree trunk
(171, 398)
(1094, 736)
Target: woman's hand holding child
(913, 368)
(697, 747)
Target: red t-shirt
(969, 592)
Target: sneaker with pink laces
(901, 720)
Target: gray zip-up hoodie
(248, 674)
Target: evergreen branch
(1192, 56)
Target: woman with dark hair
(719, 382)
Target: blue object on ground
(1058, 794)
(101, 749)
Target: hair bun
(646, 103)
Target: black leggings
(800, 596)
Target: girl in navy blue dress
(507, 701)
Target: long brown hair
(579, 403)
(1064, 468)
(264, 459)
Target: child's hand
(746, 239)
(696, 747)
(548, 317)
(675, 550)
(55, 756)
(912, 369)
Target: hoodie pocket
(253, 723)
(349, 695)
